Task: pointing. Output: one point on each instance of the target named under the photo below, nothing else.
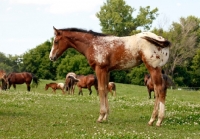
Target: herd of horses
(81, 81)
(72, 80)
(104, 54)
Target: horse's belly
(127, 64)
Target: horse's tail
(35, 79)
(163, 44)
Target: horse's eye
(56, 42)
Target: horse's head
(60, 44)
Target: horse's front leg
(80, 91)
(28, 87)
(103, 78)
(14, 85)
(149, 93)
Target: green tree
(136, 75)
(10, 63)
(76, 63)
(196, 70)
(37, 61)
(116, 18)
(184, 37)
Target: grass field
(40, 114)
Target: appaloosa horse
(20, 78)
(106, 53)
(55, 86)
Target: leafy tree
(136, 75)
(119, 76)
(77, 64)
(184, 38)
(196, 70)
(10, 63)
(116, 18)
(37, 61)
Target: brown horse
(70, 82)
(87, 82)
(106, 53)
(167, 82)
(20, 78)
(112, 88)
(3, 85)
(55, 86)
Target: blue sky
(25, 24)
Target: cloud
(9, 8)
(63, 6)
(178, 4)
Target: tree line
(116, 18)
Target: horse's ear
(56, 32)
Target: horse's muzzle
(53, 58)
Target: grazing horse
(105, 53)
(87, 82)
(20, 78)
(167, 82)
(112, 88)
(70, 82)
(3, 85)
(55, 86)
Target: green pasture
(40, 114)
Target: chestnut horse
(87, 82)
(167, 82)
(105, 53)
(112, 88)
(55, 86)
(20, 78)
(3, 85)
(70, 82)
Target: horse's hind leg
(160, 93)
(28, 86)
(89, 88)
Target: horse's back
(86, 80)
(61, 85)
(19, 78)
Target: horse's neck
(80, 41)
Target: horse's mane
(83, 31)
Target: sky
(25, 24)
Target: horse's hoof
(99, 121)
(150, 123)
(158, 124)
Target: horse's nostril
(52, 58)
